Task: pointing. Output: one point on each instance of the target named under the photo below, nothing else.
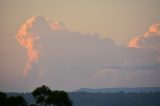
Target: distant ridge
(127, 90)
(109, 97)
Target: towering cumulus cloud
(29, 34)
(151, 39)
(28, 40)
(63, 55)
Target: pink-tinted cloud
(150, 39)
(28, 40)
(56, 25)
(67, 55)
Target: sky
(75, 44)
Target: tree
(16, 101)
(3, 98)
(20, 101)
(44, 96)
(40, 94)
(32, 105)
(59, 98)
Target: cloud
(57, 25)
(28, 36)
(73, 58)
(28, 40)
(125, 78)
(134, 67)
(151, 39)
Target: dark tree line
(43, 96)
(12, 100)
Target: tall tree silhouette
(44, 96)
(59, 98)
(3, 98)
(40, 94)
